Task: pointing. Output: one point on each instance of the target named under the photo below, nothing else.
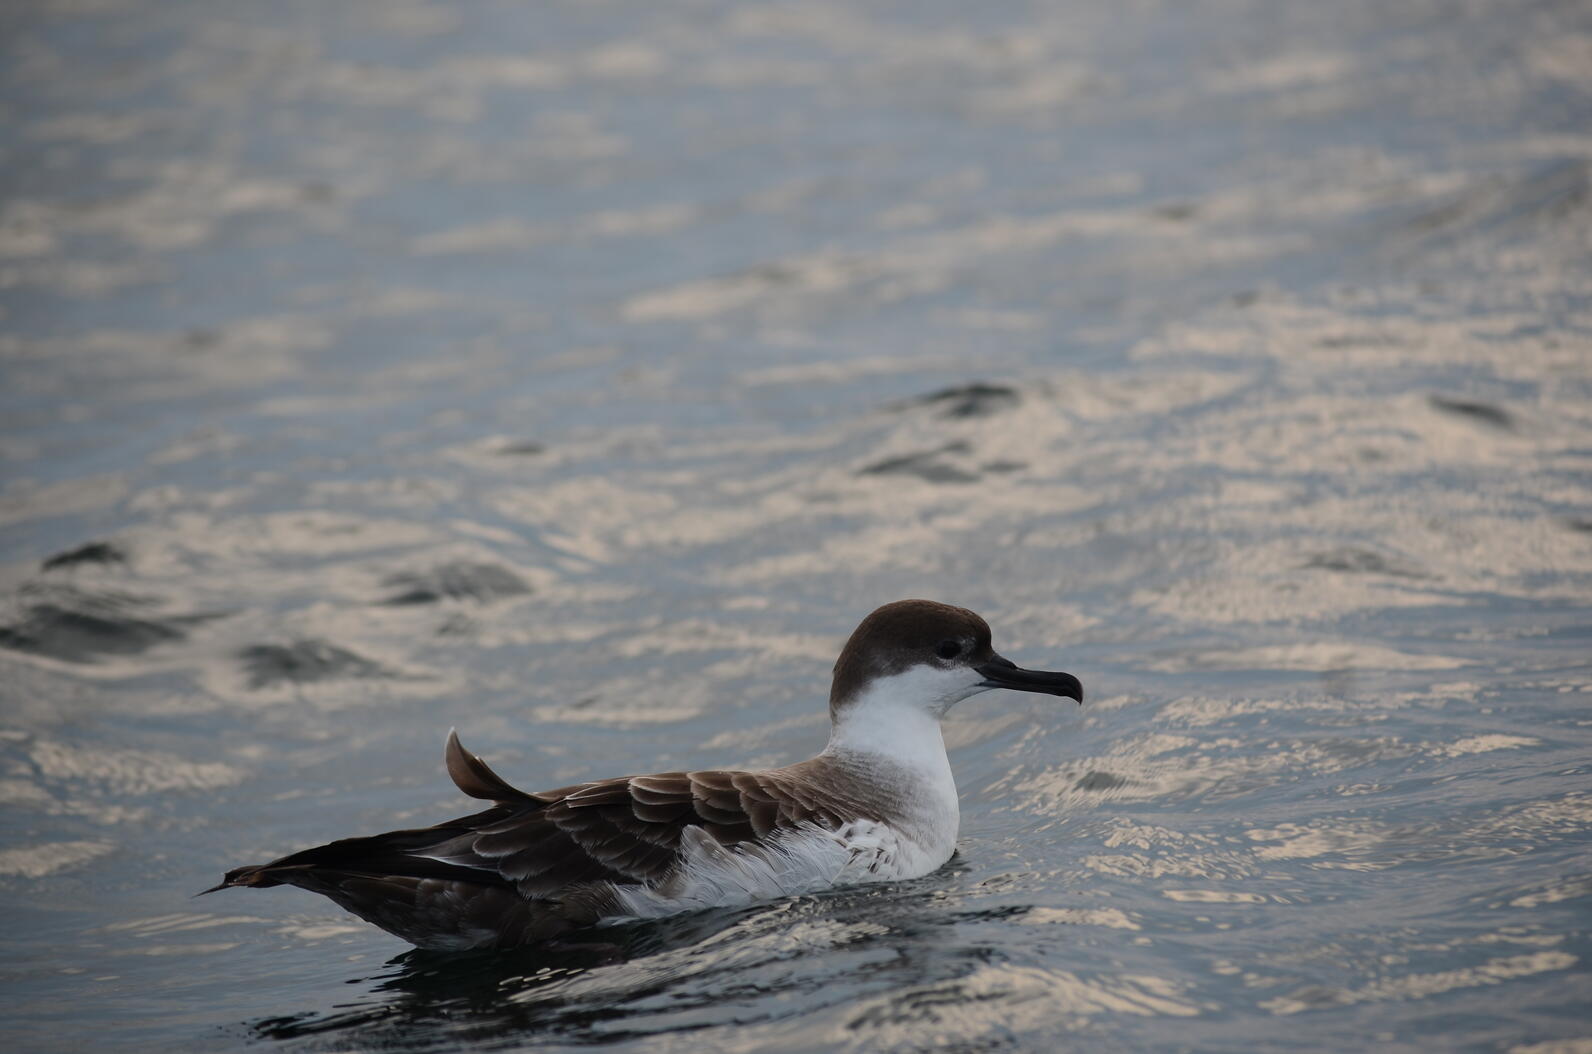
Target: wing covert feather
(626, 830)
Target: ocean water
(578, 374)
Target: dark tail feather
(396, 854)
(466, 908)
(475, 778)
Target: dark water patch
(1002, 467)
(201, 340)
(1550, 192)
(1177, 211)
(1343, 341)
(970, 400)
(927, 466)
(520, 448)
(1579, 523)
(1570, 190)
(1435, 219)
(75, 626)
(457, 625)
(499, 995)
(1340, 684)
(483, 991)
(1360, 562)
(637, 980)
(929, 1007)
(304, 662)
(1471, 410)
(457, 581)
(91, 553)
(1096, 780)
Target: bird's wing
(625, 830)
(536, 864)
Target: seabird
(878, 805)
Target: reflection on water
(579, 376)
(877, 969)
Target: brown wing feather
(538, 864)
(629, 830)
(562, 848)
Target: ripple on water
(305, 662)
(455, 581)
(930, 466)
(1478, 412)
(79, 626)
(1421, 985)
(996, 1003)
(978, 399)
(37, 861)
(88, 553)
(127, 772)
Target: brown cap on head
(901, 635)
(909, 633)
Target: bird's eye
(948, 649)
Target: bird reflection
(490, 993)
(585, 990)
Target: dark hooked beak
(1003, 673)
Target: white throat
(896, 731)
(898, 717)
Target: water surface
(579, 374)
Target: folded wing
(625, 830)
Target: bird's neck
(878, 724)
(894, 747)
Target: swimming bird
(877, 805)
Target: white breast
(890, 739)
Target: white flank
(806, 860)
